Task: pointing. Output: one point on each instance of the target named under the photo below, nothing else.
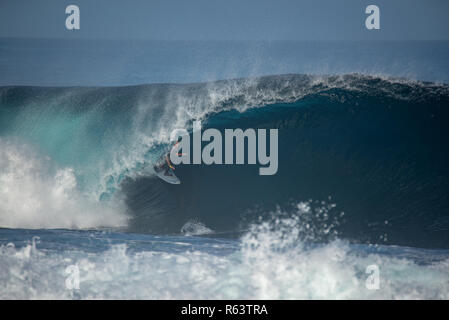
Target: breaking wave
(376, 147)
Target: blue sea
(359, 207)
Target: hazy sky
(227, 19)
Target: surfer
(167, 165)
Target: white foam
(270, 263)
(33, 194)
(194, 227)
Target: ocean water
(75, 62)
(361, 186)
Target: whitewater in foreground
(266, 263)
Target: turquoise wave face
(376, 148)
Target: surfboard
(166, 175)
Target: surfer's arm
(168, 162)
